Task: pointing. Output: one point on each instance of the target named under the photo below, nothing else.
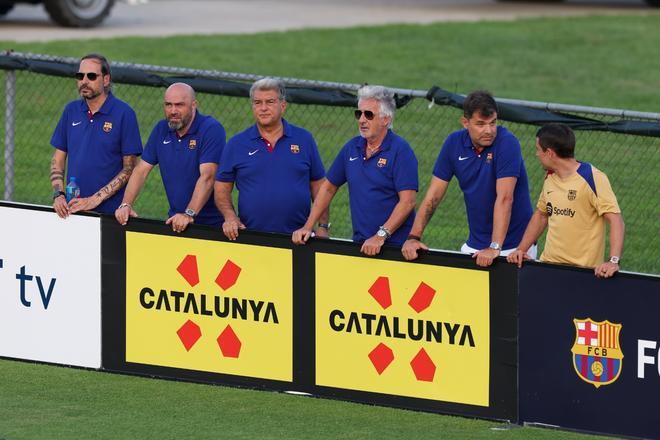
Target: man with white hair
(186, 145)
(276, 167)
(381, 170)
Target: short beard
(91, 96)
(175, 125)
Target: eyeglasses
(90, 75)
(367, 114)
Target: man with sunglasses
(186, 145)
(381, 170)
(276, 167)
(97, 139)
(487, 161)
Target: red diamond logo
(380, 290)
(228, 275)
(189, 333)
(381, 357)
(423, 366)
(229, 343)
(188, 269)
(422, 297)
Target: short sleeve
(213, 143)
(337, 172)
(405, 170)
(150, 153)
(59, 138)
(443, 168)
(226, 171)
(509, 160)
(605, 200)
(317, 169)
(131, 143)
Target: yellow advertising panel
(209, 306)
(403, 329)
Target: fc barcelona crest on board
(597, 355)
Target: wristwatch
(383, 232)
(495, 245)
(190, 213)
(56, 194)
(324, 225)
(615, 259)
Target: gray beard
(174, 125)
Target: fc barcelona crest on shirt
(597, 355)
(572, 194)
(295, 149)
(192, 144)
(381, 162)
(489, 157)
(107, 126)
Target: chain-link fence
(630, 161)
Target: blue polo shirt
(374, 184)
(179, 160)
(96, 146)
(477, 175)
(274, 192)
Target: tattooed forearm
(56, 175)
(119, 181)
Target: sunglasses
(90, 75)
(367, 114)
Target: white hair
(269, 84)
(384, 97)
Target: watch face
(381, 233)
(190, 212)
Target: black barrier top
(527, 115)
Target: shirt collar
(105, 108)
(253, 132)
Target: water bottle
(72, 190)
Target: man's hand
(179, 222)
(300, 236)
(372, 246)
(84, 204)
(123, 213)
(60, 206)
(486, 256)
(606, 270)
(230, 228)
(517, 257)
(410, 248)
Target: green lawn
(597, 61)
(51, 402)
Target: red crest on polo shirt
(107, 126)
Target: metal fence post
(10, 129)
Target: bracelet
(124, 205)
(324, 225)
(57, 194)
(414, 237)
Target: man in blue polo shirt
(381, 171)
(487, 161)
(187, 146)
(276, 167)
(99, 136)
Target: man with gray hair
(276, 167)
(381, 170)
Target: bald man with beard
(187, 146)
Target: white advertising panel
(50, 287)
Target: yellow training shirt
(575, 208)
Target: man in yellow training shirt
(575, 203)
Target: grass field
(51, 402)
